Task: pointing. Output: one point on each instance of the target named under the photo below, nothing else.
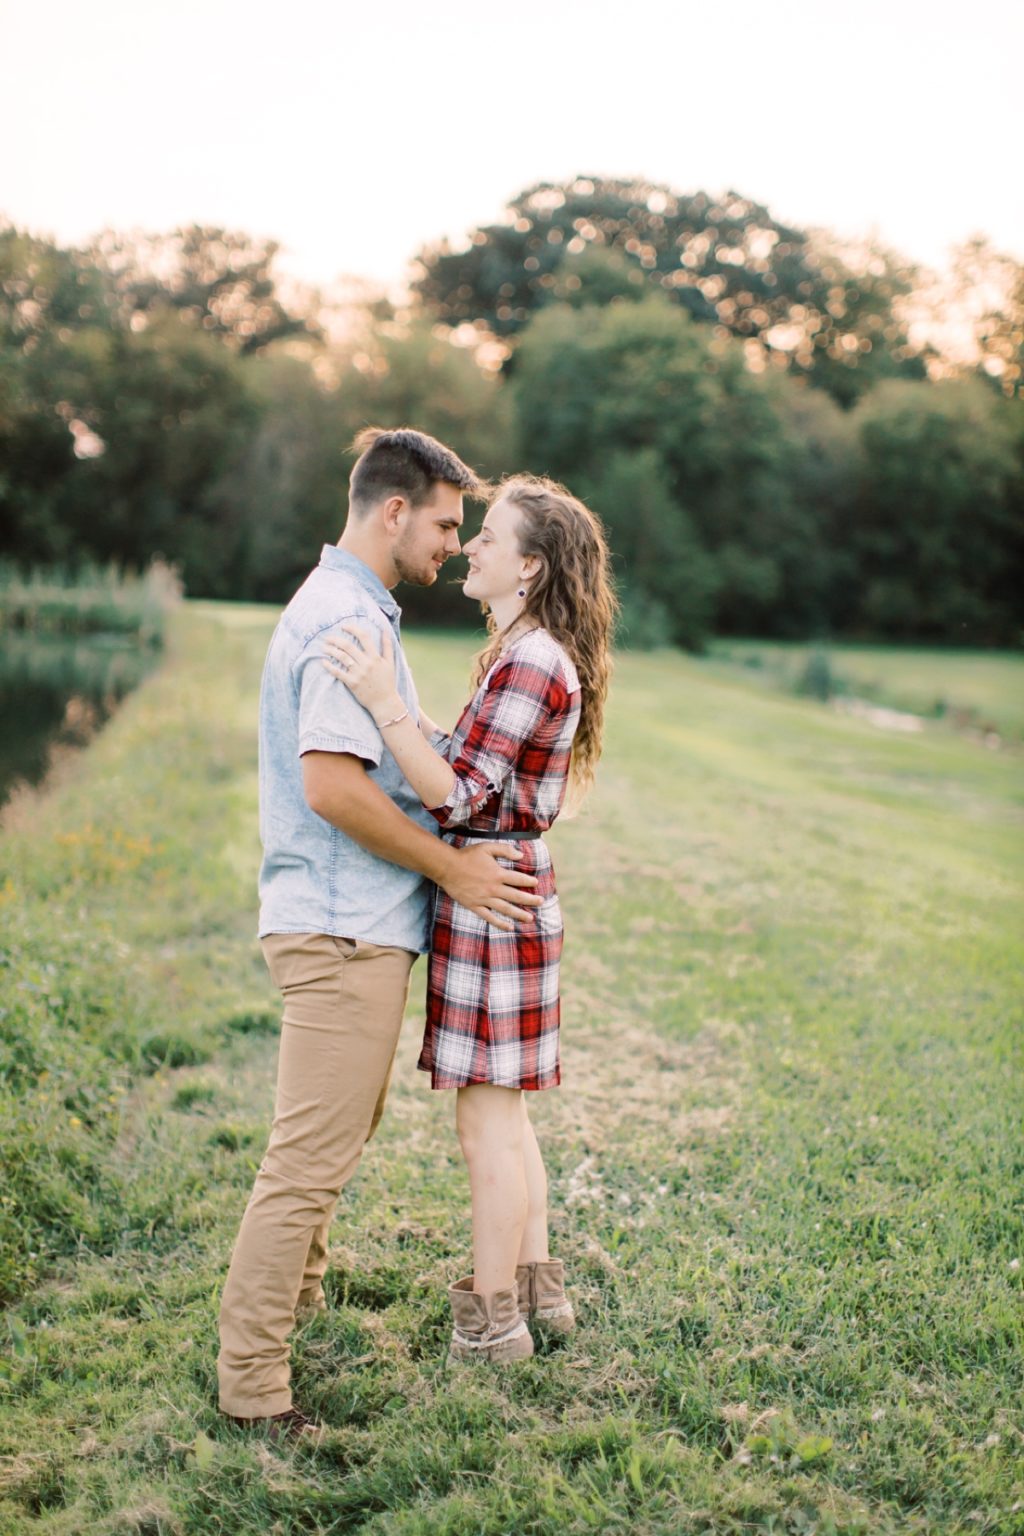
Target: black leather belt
(529, 836)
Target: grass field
(978, 690)
(786, 1160)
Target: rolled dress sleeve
(330, 717)
(520, 700)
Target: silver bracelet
(396, 721)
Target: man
(344, 902)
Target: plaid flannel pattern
(492, 996)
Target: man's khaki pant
(343, 1005)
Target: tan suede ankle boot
(487, 1327)
(542, 1296)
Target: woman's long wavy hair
(571, 596)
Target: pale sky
(353, 134)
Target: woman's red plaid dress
(492, 995)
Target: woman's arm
(371, 677)
(521, 697)
(427, 772)
(521, 700)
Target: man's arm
(337, 788)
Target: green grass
(92, 600)
(785, 1162)
(970, 690)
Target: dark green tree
(168, 413)
(409, 376)
(938, 538)
(989, 286)
(821, 458)
(666, 579)
(727, 262)
(46, 291)
(215, 280)
(606, 395)
(288, 492)
(124, 404)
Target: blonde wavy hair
(571, 596)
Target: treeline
(743, 406)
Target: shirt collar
(335, 559)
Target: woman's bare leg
(534, 1246)
(490, 1126)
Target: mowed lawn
(786, 1159)
(978, 690)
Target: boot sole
(556, 1322)
(502, 1353)
(561, 1323)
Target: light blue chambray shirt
(314, 878)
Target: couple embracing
(384, 837)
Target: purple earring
(521, 592)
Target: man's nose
(452, 545)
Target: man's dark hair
(402, 462)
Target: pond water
(56, 693)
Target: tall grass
(91, 599)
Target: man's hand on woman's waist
(337, 788)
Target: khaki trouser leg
(343, 1010)
(311, 1291)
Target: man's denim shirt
(315, 879)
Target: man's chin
(418, 578)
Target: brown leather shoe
(281, 1427)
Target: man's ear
(392, 511)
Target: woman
(532, 728)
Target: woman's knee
(488, 1119)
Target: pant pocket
(299, 959)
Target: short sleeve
(330, 718)
(519, 698)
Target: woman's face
(496, 566)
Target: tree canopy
(791, 298)
(158, 395)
